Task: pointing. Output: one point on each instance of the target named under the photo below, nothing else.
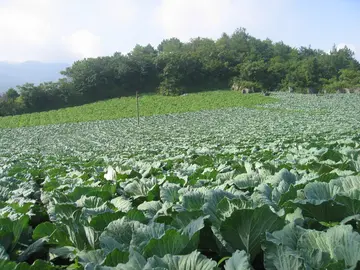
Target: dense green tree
(213, 73)
(170, 45)
(177, 67)
(143, 61)
(179, 71)
(311, 71)
(12, 94)
(352, 77)
(277, 70)
(255, 71)
(34, 97)
(92, 78)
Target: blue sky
(67, 30)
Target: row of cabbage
(184, 193)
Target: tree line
(175, 67)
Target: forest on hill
(175, 67)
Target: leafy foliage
(274, 187)
(175, 68)
(126, 108)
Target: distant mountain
(13, 74)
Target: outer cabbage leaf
(245, 229)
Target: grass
(126, 107)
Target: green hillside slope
(126, 107)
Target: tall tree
(200, 64)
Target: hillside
(13, 74)
(126, 107)
(239, 60)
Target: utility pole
(137, 108)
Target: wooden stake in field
(137, 108)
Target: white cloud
(66, 30)
(19, 26)
(83, 44)
(61, 30)
(187, 18)
(22, 27)
(191, 18)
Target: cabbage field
(273, 187)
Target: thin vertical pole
(137, 108)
